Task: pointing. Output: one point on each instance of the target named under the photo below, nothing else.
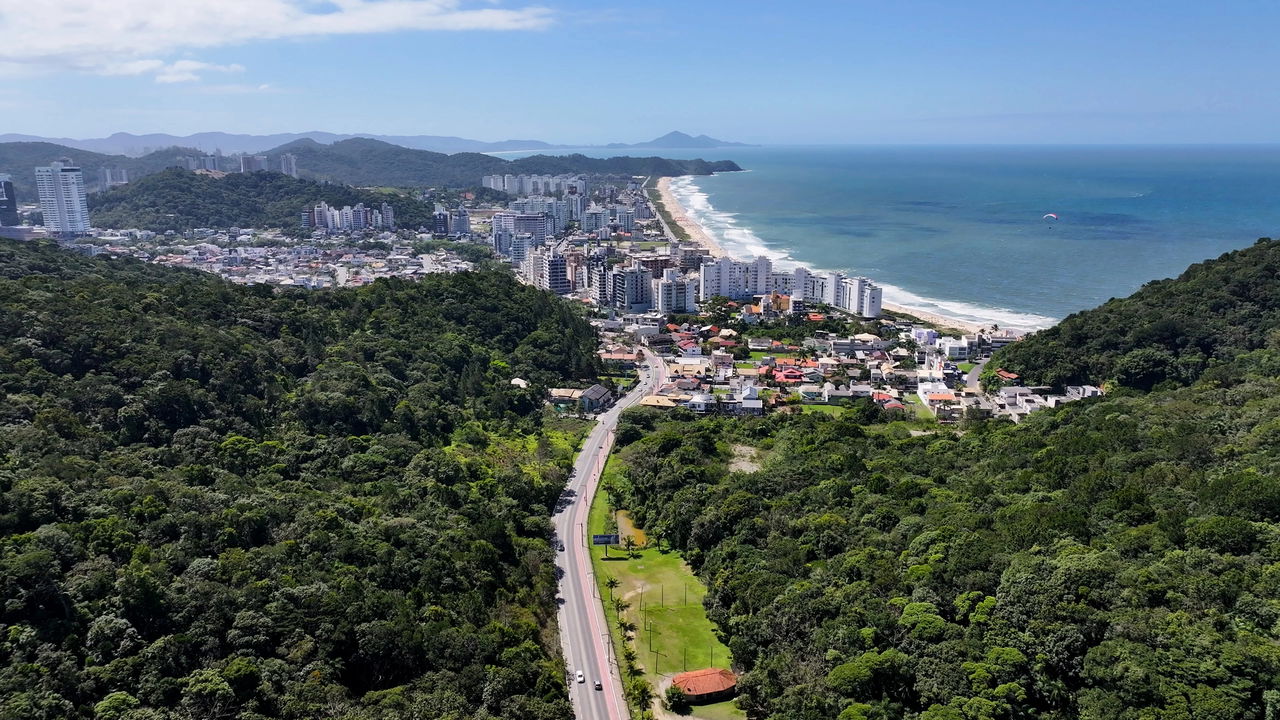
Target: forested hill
(1117, 558)
(221, 501)
(1169, 331)
(361, 161)
(179, 200)
(358, 161)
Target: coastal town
(736, 336)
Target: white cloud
(125, 37)
(185, 71)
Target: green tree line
(241, 502)
(1116, 558)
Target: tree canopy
(1116, 558)
(178, 200)
(1169, 331)
(241, 502)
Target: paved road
(584, 635)
(971, 381)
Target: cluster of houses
(903, 369)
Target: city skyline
(916, 72)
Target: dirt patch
(627, 527)
(744, 459)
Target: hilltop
(1169, 331)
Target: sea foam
(741, 242)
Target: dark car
(561, 547)
(599, 686)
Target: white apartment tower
(675, 294)
(289, 164)
(62, 198)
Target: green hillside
(20, 159)
(175, 199)
(221, 501)
(1115, 559)
(359, 161)
(1170, 331)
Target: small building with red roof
(707, 686)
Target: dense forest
(361, 161)
(358, 161)
(1169, 332)
(242, 502)
(1114, 559)
(179, 200)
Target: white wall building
(675, 294)
(62, 199)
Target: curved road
(584, 634)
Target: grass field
(672, 630)
(834, 410)
(915, 405)
(964, 367)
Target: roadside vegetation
(244, 502)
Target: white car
(581, 678)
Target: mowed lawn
(672, 630)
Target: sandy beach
(697, 235)
(700, 237)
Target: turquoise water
(960, 230)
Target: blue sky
(599, 71)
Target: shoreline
(699, 236)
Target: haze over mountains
(355, 161)
(137, 145)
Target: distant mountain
(676, 139)
(364, 161)
(358, 161)
(230, 143)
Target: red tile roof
(705, 682)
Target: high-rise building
(289, 164)
(62, 198)
(253, 163)
(388, 215)
(534, 224)
(555, 273)
(632, 288)
(110, 177)
(521, 245)
(501, 240)
(209, 162)
(594, 218)
(459, 222)
(440, 222)
(626, 219)
(675, 294)
(8, 201)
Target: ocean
(962, 232)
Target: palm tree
(612, 583)
(629, 544)
(620, 606)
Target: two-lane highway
(584, 634)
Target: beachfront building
(743, 280)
